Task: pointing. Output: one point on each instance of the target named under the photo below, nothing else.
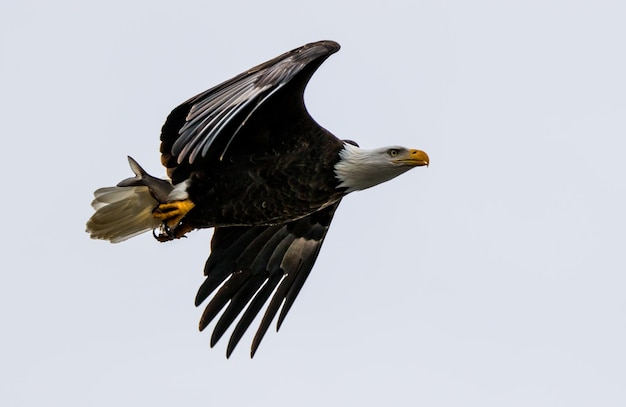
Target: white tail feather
(121, 213)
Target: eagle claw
(166, 233)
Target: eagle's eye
(393, 152)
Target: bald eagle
(246, 158)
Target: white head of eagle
(359, 168)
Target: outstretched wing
(255, 262)
(206, 125)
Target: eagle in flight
(247, 159)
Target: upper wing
(206, 124)
(254, 261)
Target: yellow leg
(172, 213)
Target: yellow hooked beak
(415, 158)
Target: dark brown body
(268, 187)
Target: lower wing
(252, 262)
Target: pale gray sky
(496, 277)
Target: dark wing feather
(255, 261)
(207, 124)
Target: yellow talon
(171, 213)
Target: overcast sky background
(495, 277)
